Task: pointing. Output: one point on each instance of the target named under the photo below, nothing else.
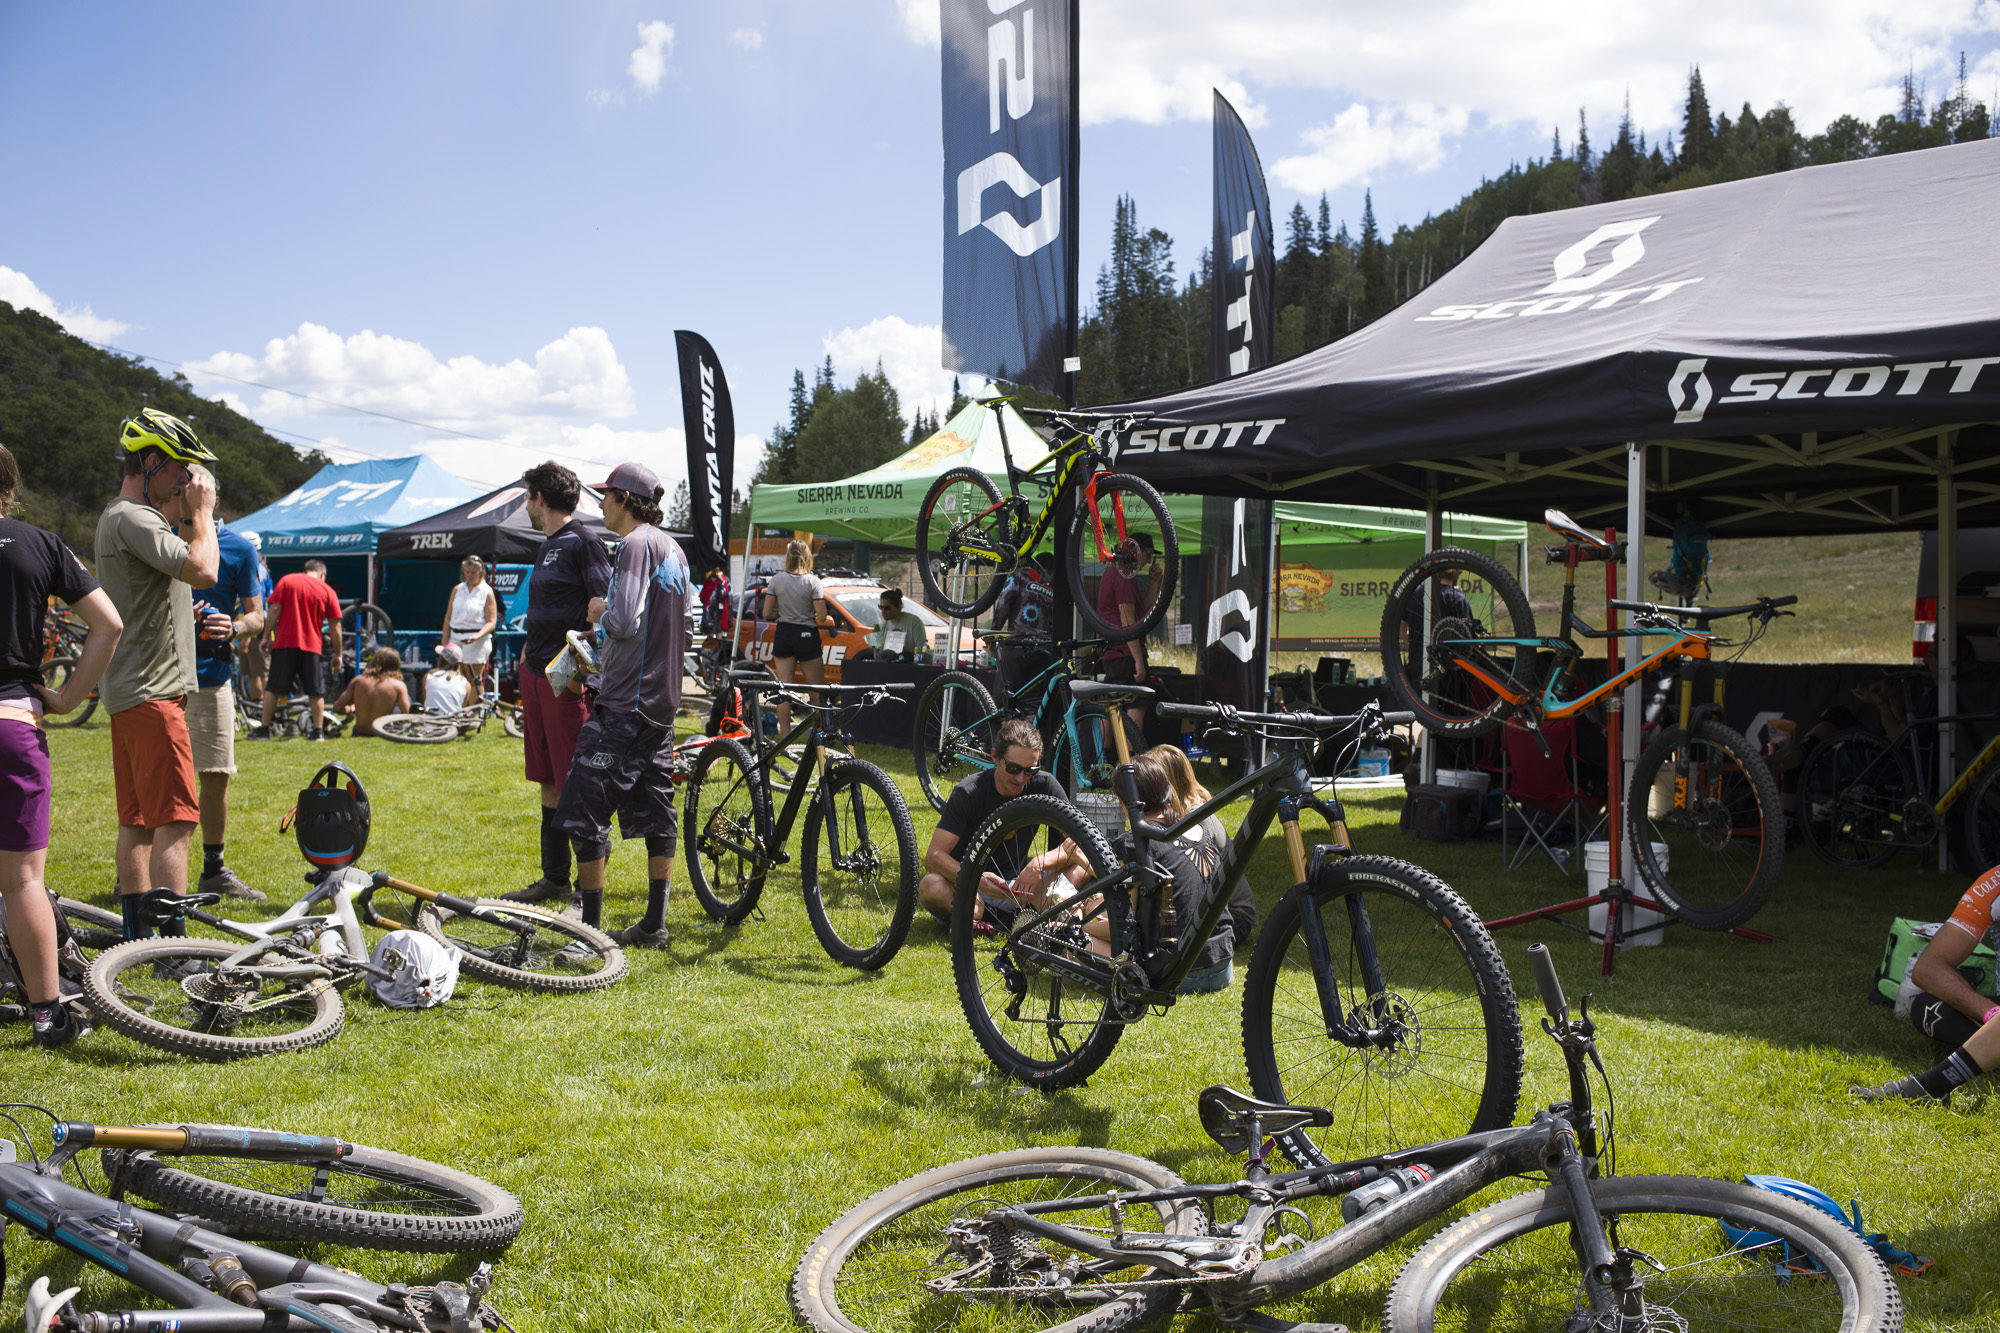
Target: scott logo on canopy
(1176, 439)
(1690, 393)
(1577, 285)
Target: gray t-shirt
(139, 562)
(645, 628)
(796, 594)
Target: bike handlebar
(1766, 605)
(1548, 983)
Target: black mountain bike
(970, 540)
(1082, 1238)
(858, 854)
(1373, 988)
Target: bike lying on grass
(1081, 1238)
(1373, 986)
(427, 728)
(81, 931)
(217, 1186)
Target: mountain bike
(1083, 1238)
(62, 644)
(858, 853)
(1863, 797)
(970, 540)
(1373, 986)
(81, 932)
(427, 728)
(278, 989)
(957, 719)
(1460, 651)
(217, 1185)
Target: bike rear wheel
(965, 542)
(722, 825)
(869, 1271)
(370, 1198)
(1981, 819)
(1713, 854)
(1854, 793)
(169, 993)
(1033, 1024)
(953, 734)
(1117, 518)
(1410, 963)
(55, 674)
(1476, 609)
(92, 928)
(559, 955)
(861, 893)
(416, 729)
(1515, 1265)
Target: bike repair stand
(1616, 897)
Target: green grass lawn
(678, 1139)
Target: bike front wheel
(1711, 845)
(1433, 1037)
(1981, 819)
(858, 866)
(727, 810)
(1122, 544)
(953, 735)
(175, 994)
(552, 953)
(1854, 797)
(1515, 1265)
(370, 1198)
(965, 542)
(879, 1267)
(55, 674)
(1034, 1024)
(416, 729)
(1456, 631)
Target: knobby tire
(861, 913)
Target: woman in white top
(469, 620)
(797, 601)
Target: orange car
(851, 600)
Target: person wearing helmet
(150, 573)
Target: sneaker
(55, 1025)
(541, 889)
(315, 733)
(226, 883)
(1903, 1089)
(259, 734)
(636, 936)
(981, 926)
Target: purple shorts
(24, 787)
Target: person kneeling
(1946, 1008)
(1016, 772)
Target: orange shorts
(152, 765)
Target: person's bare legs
(168, 857)
(318, 710)
(551, 795)
(134, 859)
(270, 708)
(784, 668)
(214, 807)
(31, 926)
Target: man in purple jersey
(622, 752)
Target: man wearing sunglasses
(1016, 772)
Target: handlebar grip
(1548, 983)
(1398, 719)
(1167, 708)
(1616, 605)
(1782, 601)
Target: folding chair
(1538, 790)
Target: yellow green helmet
(154, 429)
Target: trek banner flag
(1244, 328)
(1010, 148)
(711, 444)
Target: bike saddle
(741, 674)
(1572, 530)
(159, 906)
(1104, 692)
(1224, 1111)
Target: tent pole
(1427, 770)
(1635, 587)
(743, 590)
(1945, 650)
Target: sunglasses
(1015, 770)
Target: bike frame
(1051, 679)
(825, 737)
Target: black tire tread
(1520, 616)
(92, 928)
(715, 752)
(1772, 854)
(1823, 752)
(937, 595)
(613, 971)
(401, 728)
(98, 989)
(1170, 562)
(840, 774)
(958, 680)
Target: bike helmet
(331, 818)
(154, 429)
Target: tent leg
(1427, 771)
(743, 587)
(1635, 589)
(1946, 647)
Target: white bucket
(1102, 809)
(1471, 778)
(1638, 927)
(1373, 763)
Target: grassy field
(679, 1139)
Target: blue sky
(491, 217)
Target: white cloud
(920, 20)
(19, 290)
(649, 61)
(1361, 142)
(909, 354)
(750, 39)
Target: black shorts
(1119, 671)
(795, 641)
(296, 671)
(620, 768)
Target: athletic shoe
(1905, 1089)
(259, 734)
(55, 1025)
(636, 936)
(226, 883)
(315, 733)
(540, 890)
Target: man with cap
(620, 765)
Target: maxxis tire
(1456, 947)
(58, 668)
(816, 1302)
(719, 751)
(92, 928)
(100, 989)
(416, 729)
(430, 921)
(966, 952)
(1762, 878)
(1885, 762)
(935, 695)
(1521, 621)
(841, 776)
(493, 1221)
(937, 596)
(1169, 556)
(1869, 1296)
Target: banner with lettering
(1236, 631)
(1010, 149)
(1244, 328)
(711, 448)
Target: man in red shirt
(1118, 601)
(299, 605)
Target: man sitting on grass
(1016, 772)
(377, 692)
(1946, 1008)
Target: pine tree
(958, 399)
(1556, 148)
(1697, 127)
(1618, 173)
(680, 509)
(1586, 166)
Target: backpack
(422, 971)
(331, 819)
(1439, 813)
(727, 709)
(1687, 572)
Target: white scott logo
(1175, 439)
(1689, 393)
(1570, 264)
(1010, 81)
(1577, 285)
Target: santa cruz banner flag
(711, 442)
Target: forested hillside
(61, 402)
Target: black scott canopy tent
(1803, 352)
